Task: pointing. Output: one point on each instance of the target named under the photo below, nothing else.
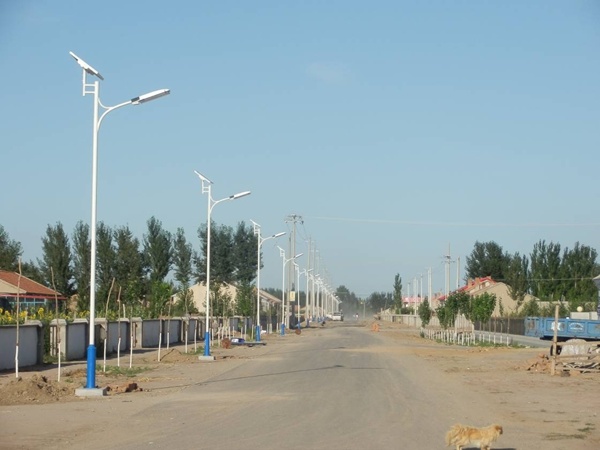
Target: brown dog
(460, 435)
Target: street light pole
(284, 321)
(94, 89)
(305, 272)
(206, 189)
(260, 241)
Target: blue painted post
(257, 333)
(91, 367)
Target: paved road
(332, 388)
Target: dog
(460, 436)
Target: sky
(399, 131)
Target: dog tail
(452, 434)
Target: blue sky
(394, 128)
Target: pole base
(204, 358)
(87, 392)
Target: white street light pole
(297, 299)
(284, 319)
(260, 241)
(94, 89)
(206, 189)
(306, 272)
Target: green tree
(424, 312)
(160, 295)
(105, 265)
(486, 259)
(128, 266)
(245, 300)
(81, 264)
(57, 257)
(546, 271)
(517, 278)
(578, 267)
(182, 263)
(482, 307)
(398, 293)
(380, 301)
(245, 244)
(157, 251)
(10, 251)
(457, 302)
(222, 262)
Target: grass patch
(560, 436)
(122, 371)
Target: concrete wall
(30, 350)
(74, 337)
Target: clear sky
(394, 128)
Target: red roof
(28, 287)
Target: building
(199, 296)
(29, 293)
(504, 301)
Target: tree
(379, 300)
(245, 300)
(457, 302)
(157, 251)
(350, 302)
(10, 251)
(160, 295)
(398, 293)
(517, 277)
(486, 260)
(128, 266)
(182, 263)
(81, 264)
(545, 270)
(57, 257)
(245, 243)
(105, 264)
(222, 263)
(578, 267)
(482, 307)
(424, 313)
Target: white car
(337, 316)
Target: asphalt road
(340, 387)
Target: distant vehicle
(337, 316)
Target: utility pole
(447, 262)
(294, 218)
(457, 272)
(429, 285)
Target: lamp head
(240, 195)
(150, 96)
(279, 234)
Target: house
(479, 286)
(199, 296)
(30, 294)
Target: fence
(110, 336)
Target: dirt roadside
(562, 408)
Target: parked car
(337, 316)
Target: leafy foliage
(424, 312)
(397, 292)
(157, 251)
(487, 259)
(482, 307)
(10, 251)
(81, 264)
(245, 300)
(57, 257)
